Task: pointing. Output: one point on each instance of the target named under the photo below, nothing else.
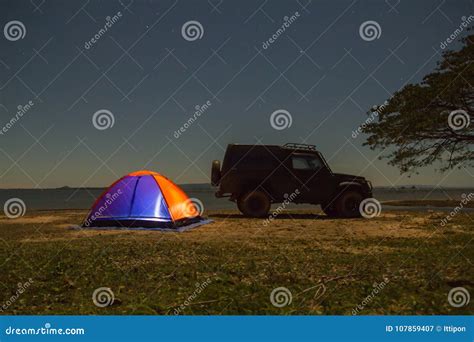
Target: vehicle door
(310, 176)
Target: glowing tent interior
(145, 199)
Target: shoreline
(393, 205)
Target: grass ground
(232, 265)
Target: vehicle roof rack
(296, 146)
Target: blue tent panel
(117, 201)
(148, 200)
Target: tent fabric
(143, 199)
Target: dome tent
(144, 199)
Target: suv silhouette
(255, 176)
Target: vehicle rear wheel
(347, 205)
(254, 204)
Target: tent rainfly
(147, 200)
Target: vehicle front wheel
(347, 205)
(254, 204)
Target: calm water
(84, 198)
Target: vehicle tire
(254, 204)
(347, 205)
(216, 173)
(329, 209)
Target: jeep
(255, 176)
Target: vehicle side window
(306, 163)
(299, 163)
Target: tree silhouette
(429, 122)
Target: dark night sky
(150, 78)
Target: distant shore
(83, 198)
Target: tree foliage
(415, 128)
